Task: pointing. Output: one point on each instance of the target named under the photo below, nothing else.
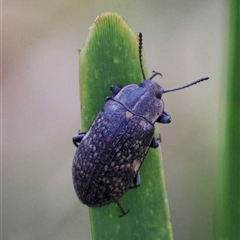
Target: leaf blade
(110, 56)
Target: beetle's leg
(108, 98)
(164, 118)
(122, 210)
(136, 181)
(159, 138)
(78, 138)
(115, 89)
(154, 143)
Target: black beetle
(109, 155)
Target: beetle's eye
(159, 93)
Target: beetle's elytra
(109, 155)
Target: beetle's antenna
(188, 85)
(155, 74)
(140, 53)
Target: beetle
(109, 155)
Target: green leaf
(228, 201)
(110, 56)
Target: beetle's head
(155, 89)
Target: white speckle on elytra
(112, 164)
(143, 124)
(135, 165)
(128, 165)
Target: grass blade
(228, 221)
(110, 56)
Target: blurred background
(184, 40)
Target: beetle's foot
(122, 210)
(136, 181)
